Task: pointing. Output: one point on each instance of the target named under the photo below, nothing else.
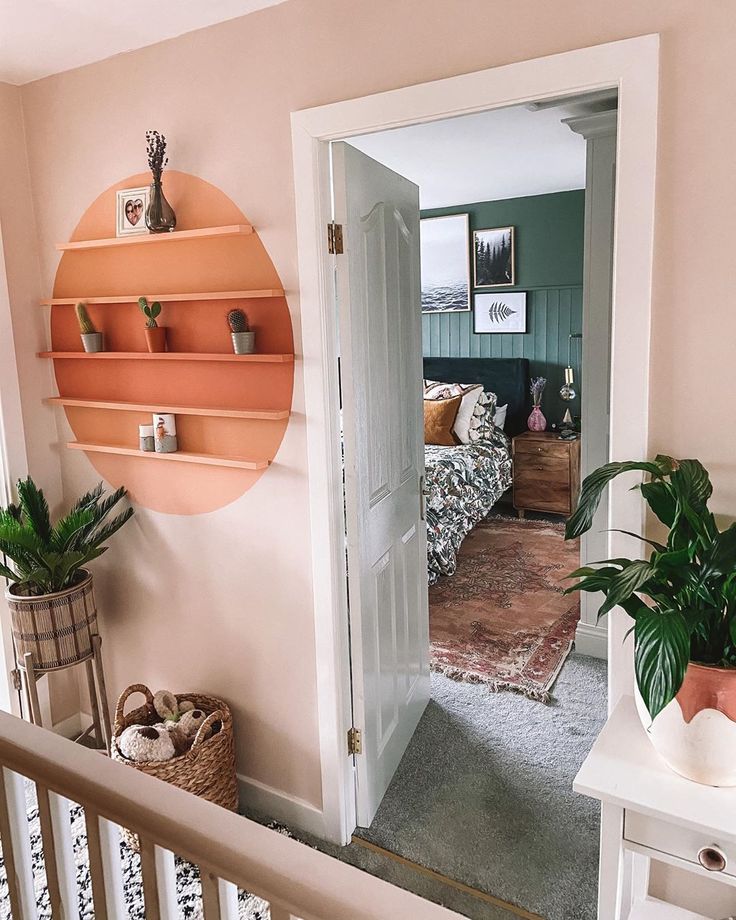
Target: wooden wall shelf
(182, 456)
(210, 412)
(176, 237)
(165, 356)
(167, 298)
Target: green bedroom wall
(549, 267)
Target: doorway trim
(632, 66)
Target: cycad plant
(683, 597)
(42, 558)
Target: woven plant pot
(57, 628)
(207, 769)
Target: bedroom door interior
(378, 297)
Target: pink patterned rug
(502, 618)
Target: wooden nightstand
(546, 473)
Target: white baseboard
(591, 640)
(73, 726)
(280, 806)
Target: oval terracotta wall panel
(201, 265)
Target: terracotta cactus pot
(695, 734)
(156, 339)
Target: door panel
(379, 311)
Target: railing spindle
(16, 845)
(228, 900)
(150, 885)
(166, 880)
(49, 852)
(64, 854)
(96, 870)
(112, 869)
(210, 895)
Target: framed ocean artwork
(445, 250)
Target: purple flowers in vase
(537, 421)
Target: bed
(464, 482)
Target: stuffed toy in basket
(206, 768)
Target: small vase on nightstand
(537, 421)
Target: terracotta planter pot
(696, 733)
(156, 339)
(57, 628)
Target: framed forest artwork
(445, 264)
(494, 257)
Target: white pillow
(470, 392)
(499, 416)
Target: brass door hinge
(334, 238)
(355, 741)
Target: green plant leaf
(70, 529)
(691, 482)
(661, 656)
(626, 583)
(104, 533)
(35, 508)
(658, 546)
(89, 498)
(658, 496)
(594, 484)
(8, 573)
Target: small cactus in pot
(244, 339)
(92, 340)
(155, 334)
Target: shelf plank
(168, 298)
(177, 236)
(213, 412)
(165, 356)
(181, 456)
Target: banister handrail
(302, 880)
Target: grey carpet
(484, 794)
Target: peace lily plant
(682, 599)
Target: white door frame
(631, 65)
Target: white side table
(649, 812)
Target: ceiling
(43, 37)
(506, 153)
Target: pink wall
(223, 97)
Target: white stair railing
(231, 852)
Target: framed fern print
(499, 312)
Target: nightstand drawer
(553, 466)
(537, 496)
(548, 448)
(718, 856)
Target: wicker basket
(207, 769)
(57, 628)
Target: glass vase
(160, 217)
(537, 421)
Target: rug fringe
(493, 684)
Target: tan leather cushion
(439, 417)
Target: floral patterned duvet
(463, 484)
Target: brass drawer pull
(712, 858)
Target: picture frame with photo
(493, 257)
(499, 313)
(445, 245)
(130, 208)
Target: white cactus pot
(695, 734)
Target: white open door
(379, 305)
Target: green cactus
(237, 321)
(151, 312)
(86, 326)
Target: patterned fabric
(463, 484)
